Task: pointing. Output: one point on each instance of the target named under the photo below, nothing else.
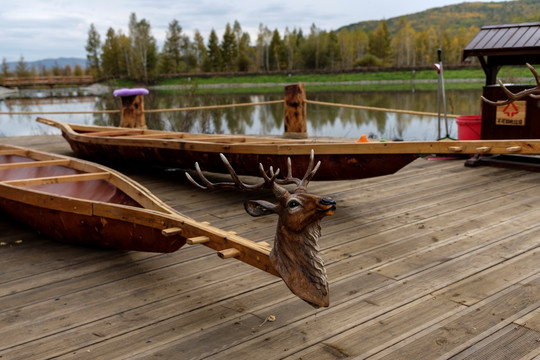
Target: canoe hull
(333, 166)
(94, 231)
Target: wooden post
(132, 114)
(295, 112)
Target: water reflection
(257, 120)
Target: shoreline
(316, 83)
(100, 89)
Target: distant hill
(453, 17)
(50, 63)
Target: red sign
(512, 114)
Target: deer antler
(534, 92)
(310, 172)
(237, 184)
(270, 180)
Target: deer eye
(292, 204)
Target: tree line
(136, 56)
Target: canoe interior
(96, 190)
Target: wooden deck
(437, 261)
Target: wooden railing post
(295, 112)
(132, 114)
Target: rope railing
(208, 107)
(361, 107)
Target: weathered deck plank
(435, 261)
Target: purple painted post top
(130, 92)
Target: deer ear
(259, 207)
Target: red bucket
(469, 127)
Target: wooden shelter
(508, 44)
(496, 46)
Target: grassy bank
(359, 81)
(334, 77)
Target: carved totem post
(132, 115)
(295, 112)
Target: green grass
(120, 83)
(335, 77)
(335, 81)
(335, 88)
(394, 87)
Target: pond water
(256, 120)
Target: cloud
(58, 28)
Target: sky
(37, 29)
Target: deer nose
(327, 202)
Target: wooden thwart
(59, 179)
(27, 164)
(119, 132)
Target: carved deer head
(532, 92)
(295, 254)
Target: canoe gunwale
(279, 146)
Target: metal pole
(443, 93)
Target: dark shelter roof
(508, 44)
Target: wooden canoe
(342, 159)
(78, 202)
(245, 153)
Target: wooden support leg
(132, 115)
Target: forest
(405, 42)
(136, 56)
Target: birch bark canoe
(245, 153)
